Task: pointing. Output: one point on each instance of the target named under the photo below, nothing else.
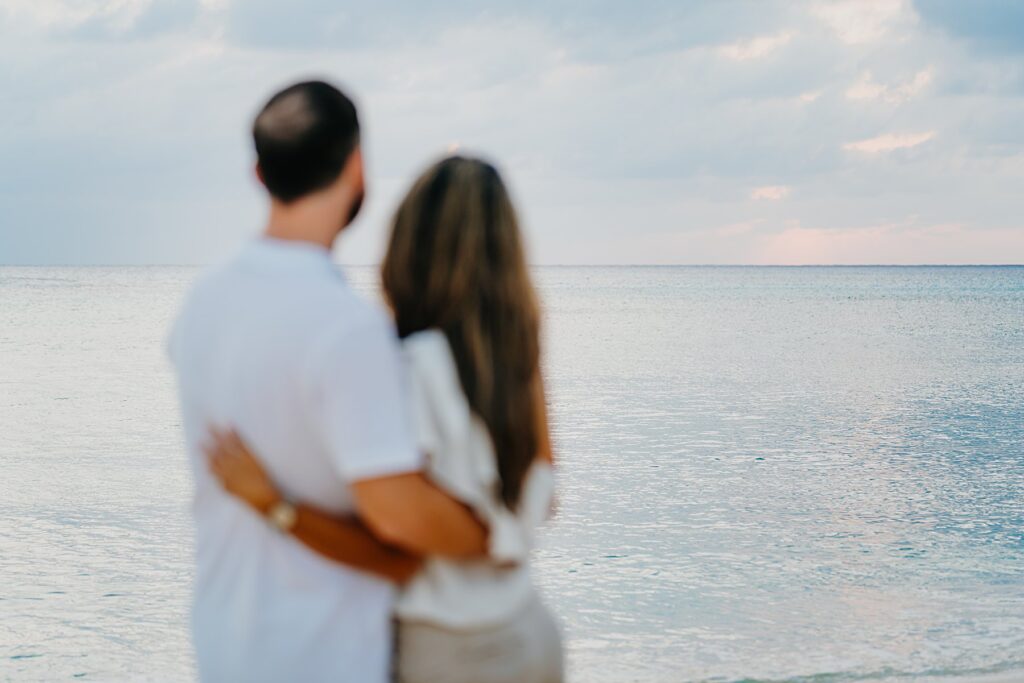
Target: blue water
(765, 473)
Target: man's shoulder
(238, 280)
(349, 319)
(341, 301)
(198, 298)
(208, 283)
(358, 332)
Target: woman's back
(462, 461)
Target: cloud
(627, 135)
(755, 48)
(889, 142)
(770, 192)
(594, 30)
(98, 19)
(857, 22)
(866, 88)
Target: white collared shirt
(277, 345)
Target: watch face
(283, 516)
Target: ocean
(764, 473)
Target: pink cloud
(772, 193)
(866, 88)
(889, 142)
(890, 244)
(755, 48)
(755, 243)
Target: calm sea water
(766, 473)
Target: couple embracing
(367, 486)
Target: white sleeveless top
(461, 460)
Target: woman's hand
(239, 472)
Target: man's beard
(354, 210)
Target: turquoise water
(765, 473)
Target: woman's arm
(342, 539)
(348, 541)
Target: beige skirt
(526, 649)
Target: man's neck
(275, 230)
(306, 220)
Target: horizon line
(559, 265)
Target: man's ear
(259, 175)
(353, 170)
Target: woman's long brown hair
(456, 263)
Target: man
(276, 345)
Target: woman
(456, 279)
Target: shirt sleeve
(359, 406)
(441, 415)
(425, 428)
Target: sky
(642, 132)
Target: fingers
(234, 440)
(226, 443)
(242, 454)
(231, 461)
(218, 463)
(219, 469)
(211, 443)
(224, 451)
(221, 442)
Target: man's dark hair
(304, 135)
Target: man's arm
(408, 511)
(361, 409)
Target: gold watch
(282, 516)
